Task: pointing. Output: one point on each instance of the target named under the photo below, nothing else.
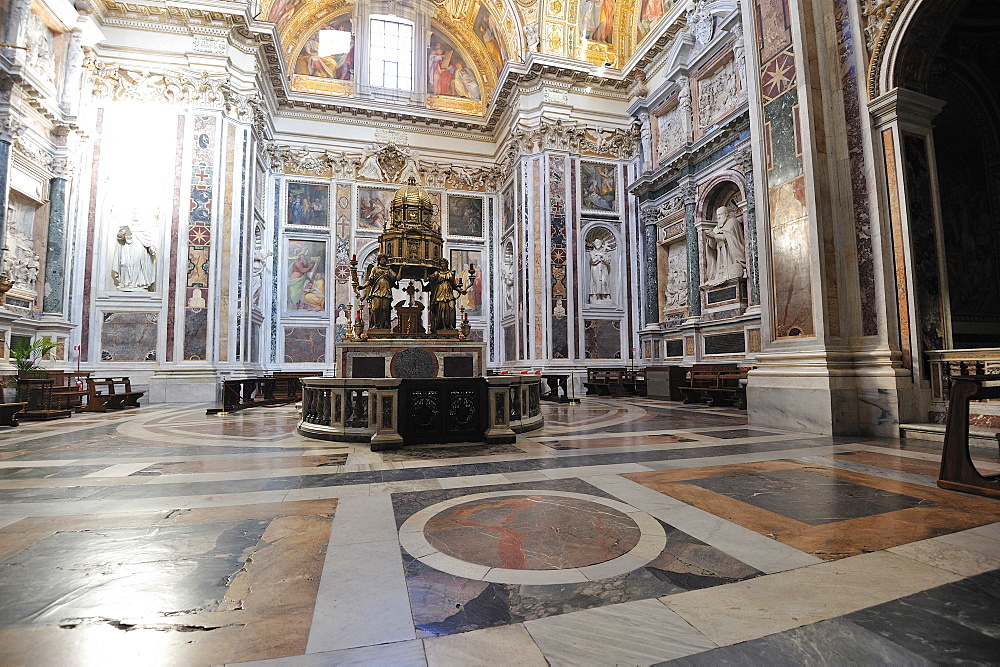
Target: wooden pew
(958, 472)
(112, 398)
(9, 412)
(716, 384)
(605, 382)
(634, 382)
(41, 404)
(67, 393)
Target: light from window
(391, 48)
(334, 43)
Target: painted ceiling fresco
(470, 41)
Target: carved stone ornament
(718, 94)
(701, 22)
(187, 88)
(618, 143)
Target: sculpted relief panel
(718, 94)
(672, 132)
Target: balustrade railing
(945, 363)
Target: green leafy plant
(27, 357)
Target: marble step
(981, 440)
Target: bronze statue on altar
(410, 248)
(379, 283)
(442, 286)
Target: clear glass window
(391, 48)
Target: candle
(472, 267)
(354, 258)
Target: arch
(724, 189)
(902, 40)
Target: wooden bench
(9, 411)
(634, 382)
(41, 406)
(605, 382)
(717, 384)
(958, 472)
(112, 398)
(67, 391)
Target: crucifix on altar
(409, 316)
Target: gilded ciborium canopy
(410, 240)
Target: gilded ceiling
(471, 40)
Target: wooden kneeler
(958, 473)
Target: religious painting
(329, 52)
(461, 261)
(373, 208)
(598, 186)
(282, 10)
(488, 30)
(308, 204)
(305, 276)
(465, 216)
(447, 71)
(650, 13)
(597, 20)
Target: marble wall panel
(923, 238)
(509, 343)
(195, 335)
(226, 249)
(305, 345)
(603, 339)
(790, 264)
(129, 336)
(558, 256)
(855, 122)
(341, 272)
(200, 231)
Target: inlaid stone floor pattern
(626, 532)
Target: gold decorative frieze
(322, 86)
(456, 104)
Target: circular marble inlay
(533, 537)
(537, 532)
(414, 363)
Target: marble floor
(626, 532)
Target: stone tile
(401, 654)
(752, 609)
(943, 553)
(509, 645)
(833, 642)
(362, 597)
(636, 633)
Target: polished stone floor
(626, 532)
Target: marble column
(5, 158)
(694, 260)
(753, 260)
(55, 249)
(652, 302)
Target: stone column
(753, 261)
(693, 257)
(652, 305)
(54, 299)
(6, 154)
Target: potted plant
(27, 358)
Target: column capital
(909, 108)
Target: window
(391, 60)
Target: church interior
(534, 332)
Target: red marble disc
(537, 532)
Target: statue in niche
(378, 285)
(531, 36)
(725, 248)
(601, 251)
(133, 264)
(442, 286)
(507, 276)
(258, 264)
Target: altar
(408, 371)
